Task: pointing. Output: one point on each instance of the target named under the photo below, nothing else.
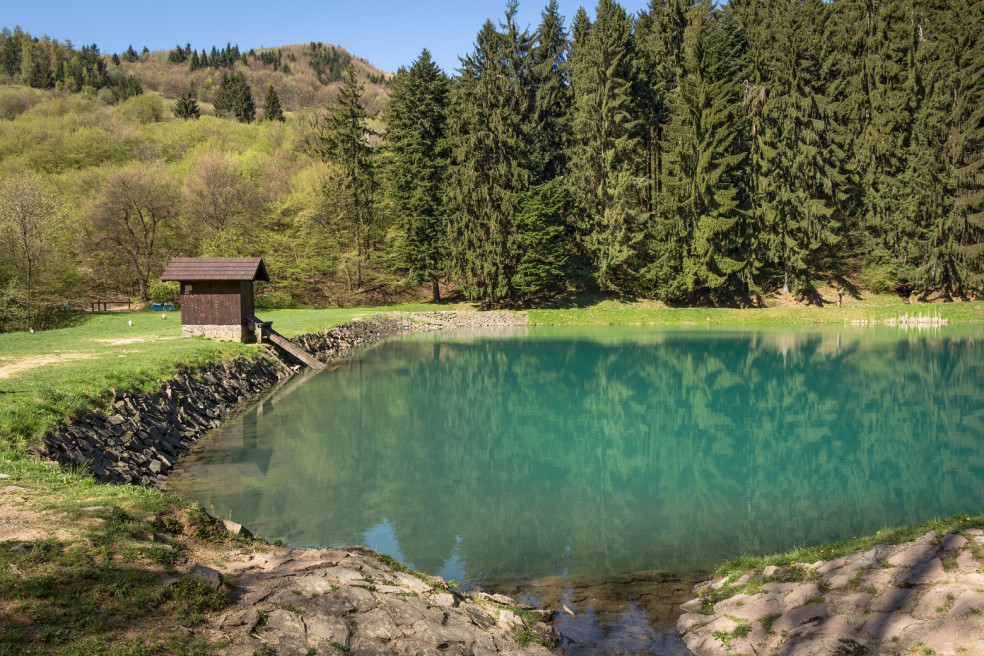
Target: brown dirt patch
(20, 522)
(121, 341)
(24, 364)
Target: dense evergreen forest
(692, 153)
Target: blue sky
(388, 33)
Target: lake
(535, 460)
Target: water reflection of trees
(554, 455)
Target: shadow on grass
(86, 597)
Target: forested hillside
(692, 154)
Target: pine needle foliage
(272, 111)
(417, 146)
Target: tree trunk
(435, 290)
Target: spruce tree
(954, 261)
(606, 163)
(541, 242)
(491, 136)
(549, 75)
(659, 39)
(415, 138)
(882, 146)
(177, 56)
(705, 171)
(797, 182)
(235, 97)
(271, 106)
(186, 106)
(128, 87)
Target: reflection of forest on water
(590, 452)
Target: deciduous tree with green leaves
(344, 136)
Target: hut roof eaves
(215, 268)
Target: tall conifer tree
(549, 70)
(272, 111)
(415, 137)
(882, 147)
(606, 163)
(659, 35)
(797, 183)
(945, 151)
(345, 138)
(706, 176)
(491, 137)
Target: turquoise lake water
(589, 453)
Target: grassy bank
(92, 569)
(868, 308)
(48, 375)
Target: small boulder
(208, 575)
(234, 528)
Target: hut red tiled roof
(216, 268)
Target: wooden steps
(294, 350)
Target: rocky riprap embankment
(142, 437)
(337, 601)
(920, 597)
(468, 319)
(337, 342)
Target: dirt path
(33, 361)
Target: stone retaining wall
(144, 434)
(218, 333)
(141, 439)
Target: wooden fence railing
(103, 305)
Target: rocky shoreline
(925, 596)
(293, 601)
(143, 436)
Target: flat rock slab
(894, 599)
(308, 601)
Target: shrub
(274, 300)
(145, 108)
(14, 102)
(159, 292)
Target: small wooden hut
(217, 295)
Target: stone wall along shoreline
(141, 438)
